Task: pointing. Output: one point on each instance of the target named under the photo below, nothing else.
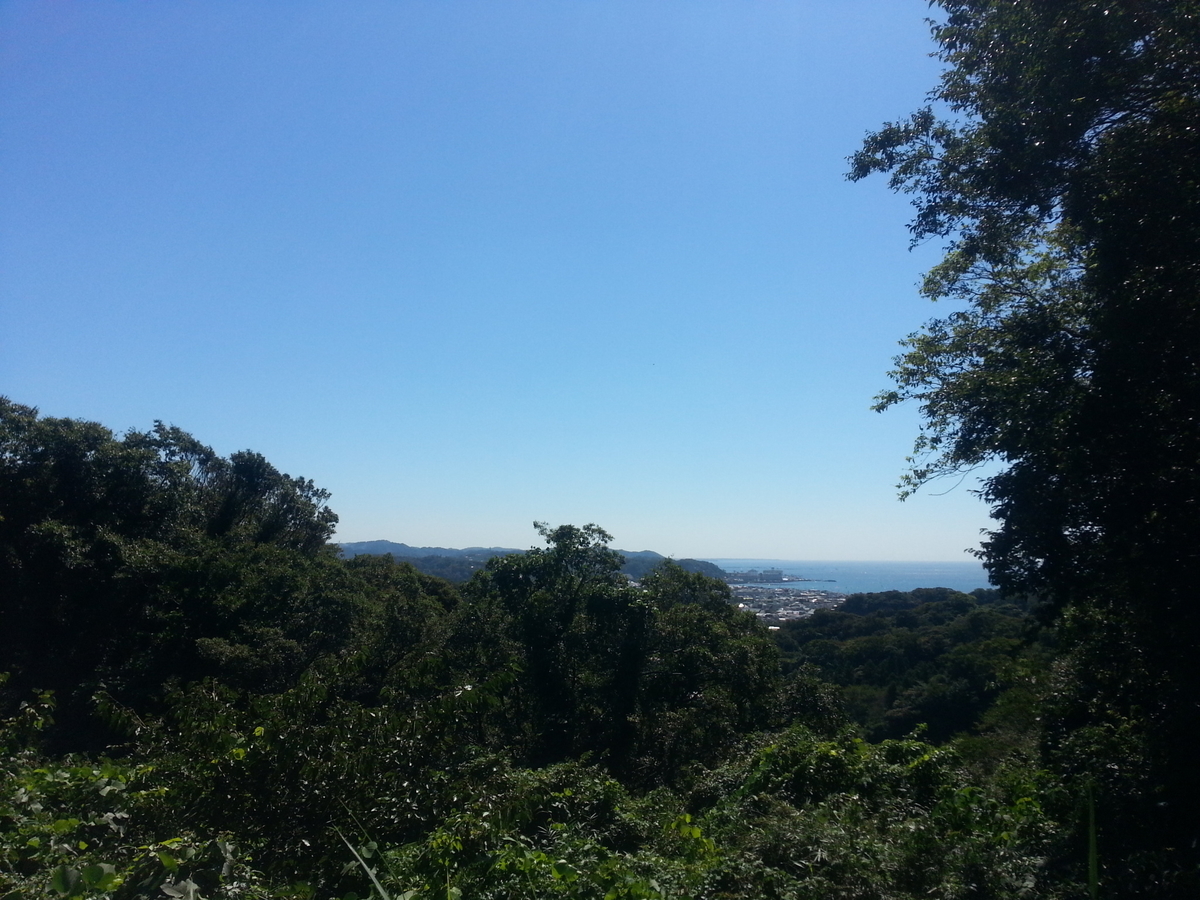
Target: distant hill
(379, 548)
(459, 565)
(444, 562)
(640, 563)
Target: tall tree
(1060, 161)
(643, 678)
(125, 559)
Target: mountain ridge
(458, 564)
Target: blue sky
(469, 264)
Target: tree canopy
(1058, 159)
(199, 697)
(148, 554)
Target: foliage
(128, 554)
(796, 816)
(456, 569)
(1063, 174)
(814, 817)
(248, 716)
(75, 828)
(645, 677)
(932, 658)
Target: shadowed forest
(201, 699)
(204, 698)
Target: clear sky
(471, 263)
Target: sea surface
(852, 577)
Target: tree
(645, 679)
(709, 673)
(546, 602)
(1061, 167)
(146, 556)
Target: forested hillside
(1057, 162)
(201, 698)
(460, 565)
(933, 659)
(204, 699)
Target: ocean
(852, 577)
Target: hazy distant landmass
(444, 562)
(458, 565)
(869, 576)
(843, 577)
(640, 563)
(379, 548)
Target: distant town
(778, 604)
(783, 604)
(749, 588)
(763, 576)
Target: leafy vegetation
(945, 662)
(459, 565)
(221, 706)
(1063, 174)
(203, 699)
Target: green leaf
(363, 863)
(67, 881)
(99, 876)
(564, 871)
